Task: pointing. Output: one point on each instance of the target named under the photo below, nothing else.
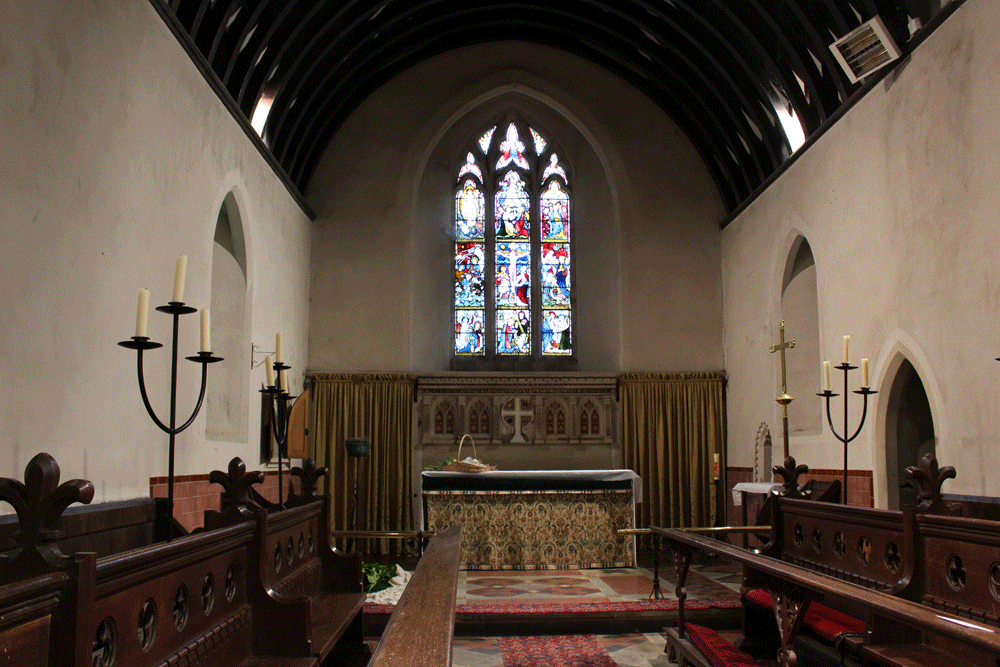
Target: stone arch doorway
(909, 433)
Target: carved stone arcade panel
(517, 410)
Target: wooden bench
(185, 602)
(420, 630)
(901, 633)
(307, 596)
(919, 555)
(26, 610)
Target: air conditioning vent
(866, 49)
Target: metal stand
(142, 343)
(279, 424)
(827, 394)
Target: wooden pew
(307, 596)
(26, 609)
(186, 602)
(902, 633)
(422, 625)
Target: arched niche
(800, 312)
(909, 432)
(227, 399)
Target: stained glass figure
(513, 331)
(540, 143)
(513, 275)
(556, 325)
(512, 150)
(555, 275)
(554, 210)
(470, 212)
(469, 284)
(470, 338)
(470, 167)
(554, 168)
(511, 208)
(484, 141)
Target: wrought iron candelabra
(142, 343)
(827, 394)
(279, 422)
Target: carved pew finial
(40, 502)
(236, 489)
(930, 478)
(790, 474)
(308, 476)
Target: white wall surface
(899, 202)
(116, 158)
(647, 281)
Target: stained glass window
(540, 143)
(529, 299)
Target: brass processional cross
(784, 399)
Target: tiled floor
(632, 650)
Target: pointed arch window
(513, 256)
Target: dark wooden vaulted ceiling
(717, 67)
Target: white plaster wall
(116, 158)
(899, 202)
(647, 275)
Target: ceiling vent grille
(866, 49)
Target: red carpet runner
(555, 651)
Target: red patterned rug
(519, 608)
(555, 651)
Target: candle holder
(279, 423)
(142, 343)
(827, 394)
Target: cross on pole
(784, 399)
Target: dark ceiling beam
(255, 76)
(752, 108)
(374, 56)
(231, 8)
(821, 51)
(250, 25)
(729, 189)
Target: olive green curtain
(672, 425)
(378, 408)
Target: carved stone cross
(517, 413)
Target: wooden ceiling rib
(716, 67)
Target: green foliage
(376, 576)
(441, 465)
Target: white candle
(206, 330)
(715, 466)
(277, 347)
(283, 377)
(864, 372)
(847, 342)
(142, 314)
(270, 370)
(826, 376)
(179, 274)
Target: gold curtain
(378, 408)
(672, 424)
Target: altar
(536, 519)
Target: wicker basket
(466, 466)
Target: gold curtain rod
(714, 529)
(375, 534)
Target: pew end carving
(39, 503)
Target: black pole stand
(827, 394)
(142, 343)
(279, 423)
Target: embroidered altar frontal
(530, 530)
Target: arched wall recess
(227, 401)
